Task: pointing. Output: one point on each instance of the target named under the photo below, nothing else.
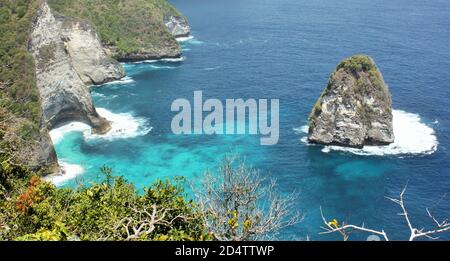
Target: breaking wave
(185, 39)
(174, 60)
(189, 40)
(167, 60)
(68, 172)
(412, 136)
(124, 80)
(123, 126)
(162, 67)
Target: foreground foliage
(112, 210)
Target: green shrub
(40, 211)
(357, 63)
(19, 99)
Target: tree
(346, 229)
(238, 204)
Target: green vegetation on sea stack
(358, 66)
(125, 26)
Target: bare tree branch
(144, 220)
(238, 204)
(343, 229)
(332, 227)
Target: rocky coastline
(69, 58)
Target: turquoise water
(286, 50)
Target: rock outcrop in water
(68, 55)
(355, 109)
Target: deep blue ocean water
(286, 49)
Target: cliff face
(22, 141)
(86, 52)
(60, 47)
(178, 25)
(356, 107)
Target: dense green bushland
(33, 209)
(17, 78)
(19, 100)
(232, 206)
(127, 26)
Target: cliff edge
(61, 66)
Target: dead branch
(143, 221)
(346, 229)
(238, 204)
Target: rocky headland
(73, 45)
(355, 109)
(132, 31)
(69, 57)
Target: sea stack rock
(355, 109)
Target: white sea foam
(304, 140)
(124, 80)
(99, 95)
(212, 68)
(58, 134)
(139, 62)
(102, 96)
(162, 67)
(412, 136)
(68, 172)
(123, 126)
(184, 39)
(301, 130)
(195, 42)
(189, 40)
(168, 60)
(174, 60)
